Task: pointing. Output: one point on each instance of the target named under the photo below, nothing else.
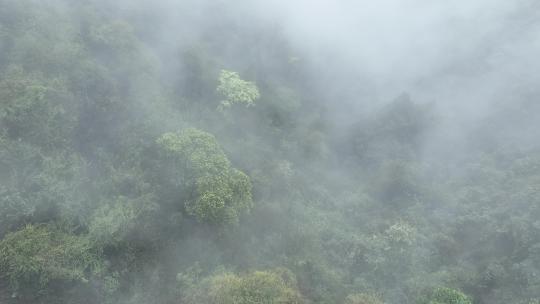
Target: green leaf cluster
(220, 193)
(38, 255)
(236, 90)
(265, 287)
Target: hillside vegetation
(213, 166)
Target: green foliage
(444, 295)
(377, 201)
(37, 187)
(197, 150)
(221, 193)
(362, 298)
(274, 286)
(38, 255)
(401, 234)
(114, 224)
(236, 91)
(34, 108)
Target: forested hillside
(198, 152)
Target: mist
(355, 152)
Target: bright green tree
(268, 287)
(220, 193)
(362, 298)
(443, 295)
(236, 90)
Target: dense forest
(243, 152)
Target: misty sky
(404, 43)
(463, 55)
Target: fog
(235, 152)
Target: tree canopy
(198, 151)
(220, 193)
